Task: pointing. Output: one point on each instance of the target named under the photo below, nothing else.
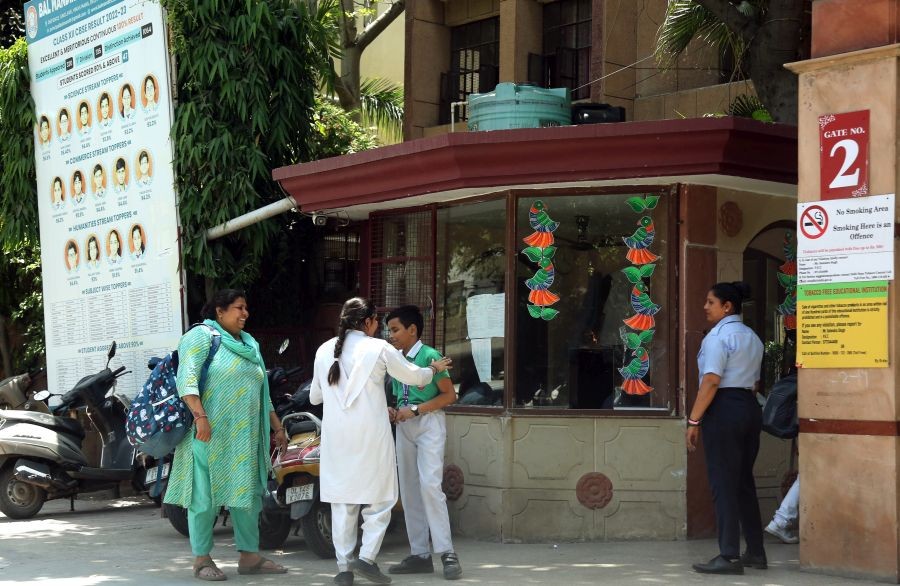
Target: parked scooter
(41, 455)
(296, 499)
(15, 393)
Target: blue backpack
(158, 419)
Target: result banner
(106, 196)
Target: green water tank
(513, 105)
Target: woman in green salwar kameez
(225, 462)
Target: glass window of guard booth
(592, 324)
(591, 301)
(471, 262)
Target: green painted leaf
(533, 253)
(647, 270)
(633, 274)
(550, 252)
(646, 336)
(651, 201)
(637, 204)
(632, 340)
(787, 280)
(534, 311)
(548, 313)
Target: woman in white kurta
(358, 465)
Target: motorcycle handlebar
(118, 371)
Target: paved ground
(126, 542)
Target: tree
(378, 101)
(11, 25)
(762, 36)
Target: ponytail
(353, 315)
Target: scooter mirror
(112, 351)
(284, 345)
(41, 395)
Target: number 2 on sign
(851, 152)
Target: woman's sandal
(215, 574)
(260, 567)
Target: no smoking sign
(814, 222)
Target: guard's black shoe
(754, 561)
(413, 564)
(369, 571)
(344, 579)
(452, 569)
(720, 565)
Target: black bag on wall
(779, 416)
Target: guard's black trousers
(730, 431)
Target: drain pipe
(254, 217)
(453, 106)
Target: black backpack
(779, 416)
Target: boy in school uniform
(421, 436)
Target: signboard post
(844, 154)
(107, 207)
(845, 258)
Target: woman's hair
(353, 315)
(736, 292)
(220, 300)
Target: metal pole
(273, 209)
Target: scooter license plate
(299, 493)
(151, 473)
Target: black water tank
(597, 113)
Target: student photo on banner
(137, 242)
(114, 247)
(150, 93)
(120, 176)
(78, 187)
(144, 170)
(126, 102)
(44, 133)
(63, 125)
(71, 256)
(57, 194)
(98, 181)
(104, 110)
(84, 117)
(93, 252)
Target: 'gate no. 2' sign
(844, 154)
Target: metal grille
(402, 264)
(340, 261)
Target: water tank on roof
(513, 105)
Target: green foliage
(382, 106)
(749, 106)
(18, 203)
(246, 78)
(21, 299)
(20, 256)
(686, 20)
(335, 132)
(11, 24)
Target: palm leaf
(749, 106)
(686, 20)
(382, 106)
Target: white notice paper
(481, 354)
(844, 240)
(484, 315)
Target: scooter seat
(64, 425)
(296, 427)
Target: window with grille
(566, 58)
(402, 264)
(340, 262)
(474, 64)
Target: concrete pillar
(520, 34)
(427, 48)
(850, 419)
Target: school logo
(31, 22)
